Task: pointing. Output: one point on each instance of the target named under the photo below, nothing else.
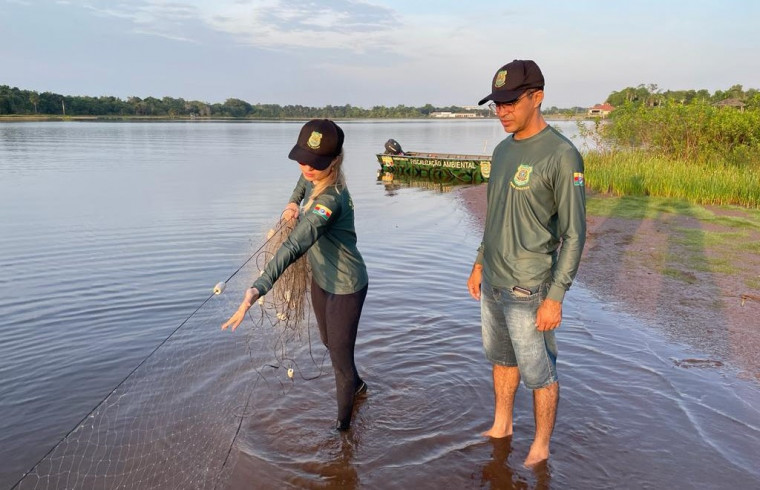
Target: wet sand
(629, 263)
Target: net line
(170, 409)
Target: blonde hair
(335, 177)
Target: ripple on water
(634, 411)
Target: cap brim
(502, 96)
(317, 162)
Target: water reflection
(334, 468)
(394, 182)
(497, 473)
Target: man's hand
(251, 295)
(473, 283)
(549, 315)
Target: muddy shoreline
(632, 264)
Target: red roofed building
(600, 110)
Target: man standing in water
(532, 243)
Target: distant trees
(236, 108)
(14, 101)
(652, 96)
(25, 102)
(34, 98)
(569, 112)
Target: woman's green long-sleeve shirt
(326, 232)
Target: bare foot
(497, 433)
(536, 455)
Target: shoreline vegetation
(15, 102)
(681, 148)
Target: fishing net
(172, 422)
(288, 295)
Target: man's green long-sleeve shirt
(536, 202)
(326, 230)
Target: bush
(698, 132)
(699, 153)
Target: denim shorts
(510, 336)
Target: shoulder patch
(578, 179)
(323, 211)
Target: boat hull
(464, 168)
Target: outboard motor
(392, 147)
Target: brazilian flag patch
(322, 211)
(578, 179)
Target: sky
(373, 52)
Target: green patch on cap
(501, 79)
(315, 140)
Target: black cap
(512, 79)
(320, 141)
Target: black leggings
(338, 321)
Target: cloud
(347, 25)
(348, 34)
(156, 18)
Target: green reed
(636, 173)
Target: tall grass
(699, 153)
(637, 173)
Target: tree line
(651, 95)
(14, 101)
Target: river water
(114, 373)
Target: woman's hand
(291, 211)
(251, 295)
